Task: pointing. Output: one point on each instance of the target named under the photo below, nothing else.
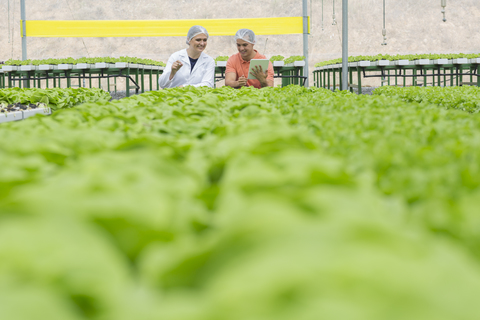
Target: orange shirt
(236, 64)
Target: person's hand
(242, 81)
(176, 66)
(258, 73)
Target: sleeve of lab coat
(164, 81)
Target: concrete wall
(413, 26)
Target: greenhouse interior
(231, 160)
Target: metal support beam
(344, 44)
(24, 29)
(305, 39)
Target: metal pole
(305, 39)
(24, 30)
(344, 44)
(444, 4)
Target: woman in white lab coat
(191, 66)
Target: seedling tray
(9, 68)
(33, 112)
(11, 116)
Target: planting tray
(299, 63)
(475, 60)
(83, 66)
(222, 63)
(423, 62)
(103, 65)
(11, 116)
(28, 68)
(65, 66)
(31, 113)
(361, 64)
(381, 63)
(295, 64)
(442, 61)
(401, 62)
(123, 65)
(45, 67)
(9, 68)
(460, 61)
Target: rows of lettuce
(465, 98)
(55, 98)
(278, 203)
(410, 57)
(93, 60)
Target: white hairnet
(245, 35)
(195, 31)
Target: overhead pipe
(444, 4)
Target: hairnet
(195, 31)
(245, 35)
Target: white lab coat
(203, 72)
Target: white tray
(28, 68)
(403, 62)
(299, 63)
(9, 68)
(32, 112)
(103, 65)
(460, 61)
(361, 64)
(11, 116)
(65, 66)
(442, 61)
(381, 63)
(123, 65)
(423, 62)
(83, 66)
(45, 67)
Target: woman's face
(199, 42)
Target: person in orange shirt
(236, 72)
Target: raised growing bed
(419, 70)
(18, 111)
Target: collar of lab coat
(201, 60)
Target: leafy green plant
(409, 57)
(294, 58)
(85, 60)
(464, 98)
(55, 98)
(277, 58)
(221, 58)
(279, 203)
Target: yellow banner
(160, 28)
